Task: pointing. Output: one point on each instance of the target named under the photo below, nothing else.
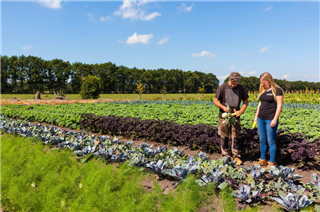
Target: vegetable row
(297, 97)
(210, 103)
(294, 120)
(291, 146)
(251, 185)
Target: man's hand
(219, 105)
(238, 113)
(225, 109)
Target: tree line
(28, 74)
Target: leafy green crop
(68, 115)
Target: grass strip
(33, 178)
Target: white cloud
(134, 10)
(53, 4)
(26, 47)
(203, 54)
(232, 68)
(185, 8)
(242, 72)
(264, 49)
(91, 17)
(285, 76)
(139, 38)
(222, 78)
(163, 40)
(252, 72)
(104, 18)
(119, 41)
(248, 52)
(268, 8)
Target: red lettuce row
(291, 146)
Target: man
(231, 93)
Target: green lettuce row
(210, 103)
(300, 120)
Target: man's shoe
(261, 162)
(270, 164)
(239, 162)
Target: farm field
(64, 115)
(174, 180)
(194, 192)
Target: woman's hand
(273, 123)
(255, 119)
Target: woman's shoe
(270, 164)
(261, 162)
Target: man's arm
(243, 108)
(219, 105)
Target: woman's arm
(257, 113)
(278, 111)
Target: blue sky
(213, 37)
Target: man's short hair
(235, 77)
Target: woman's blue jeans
(267, 133)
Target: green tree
(22, 65)
(62, 71)
(13, 72)
(90, 88)
(5, 85)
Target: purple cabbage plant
(245, 194)
(215, 177)
(158, 167)
(292, 202)
(283, 172)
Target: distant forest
(28, 74)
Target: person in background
(231, 93)
(267, 117)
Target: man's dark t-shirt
(268, 105)
(231, 96)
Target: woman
(267, 117)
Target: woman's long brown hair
(267, 77)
